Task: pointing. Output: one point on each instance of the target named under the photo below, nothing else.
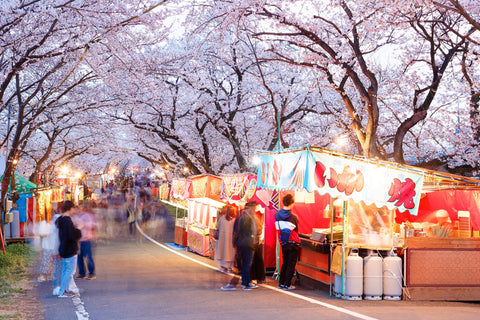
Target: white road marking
(79, 308)
(290, 293)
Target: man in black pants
(285, 219)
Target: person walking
(131, 216)
(68, 248)
(247, 240)
(224, 249)
(257, 271)
(57, 269)
(285, 219)
(88, 224)
(46, 266)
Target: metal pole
(6, 163)
(8, 128)
(278, 120)
(332, 220)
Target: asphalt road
(140, 278)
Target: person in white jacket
(46, 266)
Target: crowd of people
(67, 244)
(240, 244)
(68, 240)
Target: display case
(202, 213)
(368, 226)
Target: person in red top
(88, 224)
(290, 249)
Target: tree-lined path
(140, 279)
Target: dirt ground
(23, 305)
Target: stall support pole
(343, 251)
(332, 213)
(1, 240)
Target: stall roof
(433, 180)
(22, 185)
(349, 176)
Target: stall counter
(314, 262)
(442, 269)
(198, 240)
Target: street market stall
(202, 212)
(180, 191)
(432, 269)
(375, 198)
(19, 220)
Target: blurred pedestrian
(46, 266)
(224, 249)
(246, 242)
(257, 271)
(69, 237)
(87, 222)
(238, 255)
(57, 260)
(131, 216)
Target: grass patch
(14, 266)
(16, 316)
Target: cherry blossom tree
(346, 43)
(43, 44)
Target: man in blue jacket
(285, 219)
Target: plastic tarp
(22, 185)
(341, 177)
(22, 206)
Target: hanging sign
(341, 177)
(180, 189)
(238, 187)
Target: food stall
(163, 191)
(19, 222)
(202, 212)
(432, 268)
(180, 191)
(375, 198)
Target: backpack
(285, 231)
(285, 235)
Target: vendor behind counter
(443, 228)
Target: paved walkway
(141, 278)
